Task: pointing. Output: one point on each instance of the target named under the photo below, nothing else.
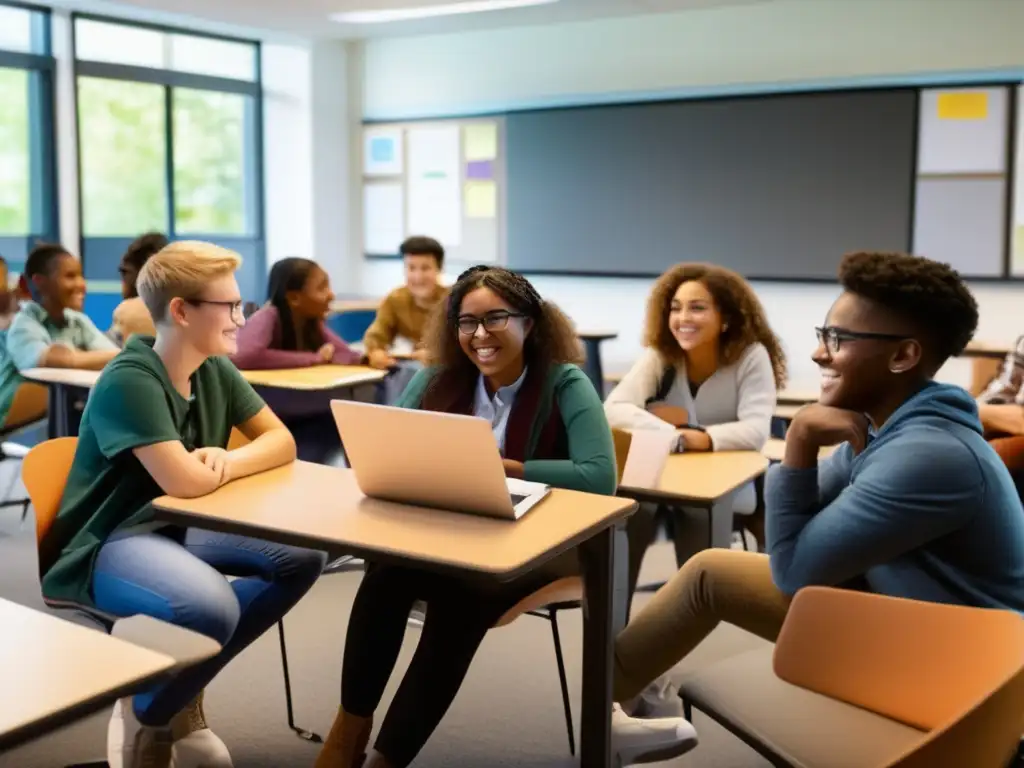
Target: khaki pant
(714, 585)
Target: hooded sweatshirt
(927, 511)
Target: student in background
(709, 372)
(157, 422)
(1001, 408)
(50, 330)
(289, 332)
(8, 297)
(502, 353)
(131, 315)
(914, 503)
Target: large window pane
(16, 27)
(210, 56)
(14, 153)
(210, 138)
(119, 44)
(123, 157)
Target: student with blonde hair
(158, 422)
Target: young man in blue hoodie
(913, 504)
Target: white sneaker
(659, 699)
(636, 741)
(122, 732)
(418, 614)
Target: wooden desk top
(316, 377)
(984, 349)
(775, 450)
(72, 377)
(702, 477)
(322, 507)
(787, 412)
(355, 305)
(592, 334)
(55, 671)
(797, 396)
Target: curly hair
(928, 294)
(741, 312)
(552, 339)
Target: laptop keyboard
(516, 498)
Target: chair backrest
(29, 404)
(955, 672)
(622, 440)
(44, 472)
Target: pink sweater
(260, 335)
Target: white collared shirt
(497, 409)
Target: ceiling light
(428, 11)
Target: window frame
(44, 215)
(170, 79)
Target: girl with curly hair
(498, 351)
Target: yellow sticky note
(480, 141)
(963, 105)
(481, 199)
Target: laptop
(440, 460)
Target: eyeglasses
(237, 309)
(492, 322)
(833, 338)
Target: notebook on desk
(431, 459)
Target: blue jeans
(184, 584)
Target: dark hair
(143, 247)
(40, 260)
(928, 294)
(552, 339)
(423, 246)
(290, 275)
(735, 300)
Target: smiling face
(313, 301)
(859, 373)
(63, 286)
(495, 350)
(421, 275)
(211, 323)
(694, 318)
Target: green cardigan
(589, 465)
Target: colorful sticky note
(963, 105)
(480, 169)
(481, 198)
(382, 149)
(480, 141)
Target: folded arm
(755, 406)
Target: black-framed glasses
(236, 307)
(492, 321)
(833, 337)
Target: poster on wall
(382, 152)
(434, 192)
(383, 218)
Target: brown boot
(194, 743)
(152, 748)
(345, 746)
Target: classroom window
(211, 143)
(27, 182)
(123, 162)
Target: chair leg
(95, 764)
(24, 510)
(302, 733)
(570, 731)
(687, 711)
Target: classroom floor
(509, 712)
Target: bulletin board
(443, 179)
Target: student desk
(705, 480)
(56, 672)
(775, 450)
(787, 412)
(341, 306)
(592, 349)
(797, 396)
(64, 381)
(985, 350)
(319, 507)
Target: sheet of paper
(434, 196)
(383, 218)
(481, 199)
(480, 169)
(382, 152)
(648, 451)
(481, 141)
(963, 105)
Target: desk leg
(597, 558)
(720, 516)
(592, 365)
(57, 415)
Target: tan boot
(195, 745)
(345, 746)
(151, 749)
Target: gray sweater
(735, 404)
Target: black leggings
(459, 614)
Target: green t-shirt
(132, 405)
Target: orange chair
(28, 407)
(45, 473)
(868, 681)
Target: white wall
(755, 47)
